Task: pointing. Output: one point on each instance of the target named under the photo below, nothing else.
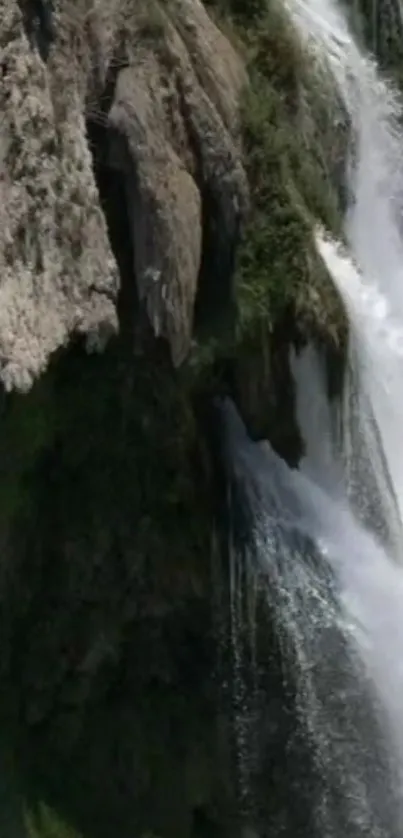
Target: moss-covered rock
(295, 143)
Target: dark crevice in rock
(214, 311)
(113, 184)
(263, 387)
(38, 24)
(116, 179)
(112, 187)
(113, 165)
(215, 299)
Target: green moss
(45, 823)
(293, 154)
(290, 184)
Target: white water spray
(328, 537)
(328, 584)
(334, 597)
(372, 291)
(370, 280)
(371, 583)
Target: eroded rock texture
(58, 274)
(159, 85)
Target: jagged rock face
(173, 134)
(164, 84)
(58, 274)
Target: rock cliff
(153, 93)
(159, 184)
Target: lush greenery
(290, 145)
(290, 181)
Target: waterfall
(325, 540)
(370, 276)
(334, 601)
(373, 407)
(370, 580)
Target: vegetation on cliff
(294, 142)
(293, 164)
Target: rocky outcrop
(58, 274)
(124, 192)
(175, 110)
(164, 84)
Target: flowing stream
(326, 539)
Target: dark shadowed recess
(109, 666)
(38, 24)
(215, 308)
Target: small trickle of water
(243, 601)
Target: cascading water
(370, 280)
(323, 579)
(326, 541)
(372, 291)
(371, 582)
